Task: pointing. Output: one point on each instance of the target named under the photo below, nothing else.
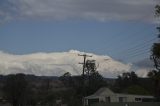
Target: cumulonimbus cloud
(101, 10)
(57, 63)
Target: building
(106, 95)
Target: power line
(131, 42)
(130, 35)
(133, 51)
(121, 33)
(137, 46)
(143, 43)
(137, 50)
(137, 54)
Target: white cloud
(57, 63)
(142, 72)
(101, 10)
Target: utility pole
(84, 61)
(84, 67)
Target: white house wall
(114, 97)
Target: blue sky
(104, 38)
(126, 34)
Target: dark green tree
(155, 57)
(157, 10)
(15, 89)
(80, 86)
(125, 80)
(136, 89)
(93, 80)
(155, 76)
(90, 67)
(66, 78)
(155, 51)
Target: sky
(122, 29)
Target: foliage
(90, 67)
(155, 76)
(127, 79)
(130, 83)
(15, 89)
(157, 11)
(155, 56)
(83, 85)
(66, 78)
(136, 89)
(40, 90)
(93, 80)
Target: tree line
(23, 90)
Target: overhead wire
(138, 54)
(138, 48)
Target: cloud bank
(57, 63)
(100, 10)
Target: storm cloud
(100, 10)
(57, 63)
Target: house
(106, 95)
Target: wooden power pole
(84, 61)
(84, 67)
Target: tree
(136, 89)
(155, 76)
(66, 78)
(15, 89)
(79, 86)
(93, 80)
(96, 81)
(155, 57)
(126, 79)
(90, 67)
(129, 78)
(157, 10)
(130, 83)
